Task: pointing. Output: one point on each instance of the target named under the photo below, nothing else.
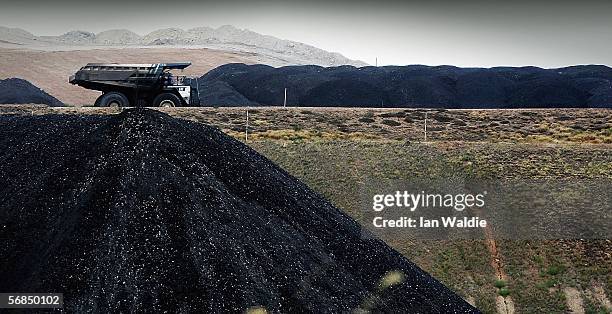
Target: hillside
(50, 70)
(227, 38)
(48, 61)
(358, 145)
(148, 214)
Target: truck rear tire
(112, 99)
(167, 100)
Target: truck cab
(178, 86)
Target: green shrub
(500, 283)
(392, 114)
(504, 292)
(550, 283)
(538, 259)
(366, 120)
(554, 270)
(390, 122)
(442, 118)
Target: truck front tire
(112, 99)
(167, 100)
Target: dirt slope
(50, 70)
(152, 213)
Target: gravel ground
(144, 212)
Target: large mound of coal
(144, 212)
(409, 86)
(19, 91)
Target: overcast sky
(544, 33)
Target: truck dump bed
(105, 76)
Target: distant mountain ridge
(226, 37)
(409, 86)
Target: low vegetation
(536, 269)
(335, 151)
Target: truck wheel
(112, 99)
(97, 103)
(167, 100)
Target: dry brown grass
(558, 126)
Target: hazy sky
(545, 33)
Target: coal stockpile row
(143, 212)
(409, 86)
(18, 91)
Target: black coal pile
(409, 86)
(19, 91)
(143, 212)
